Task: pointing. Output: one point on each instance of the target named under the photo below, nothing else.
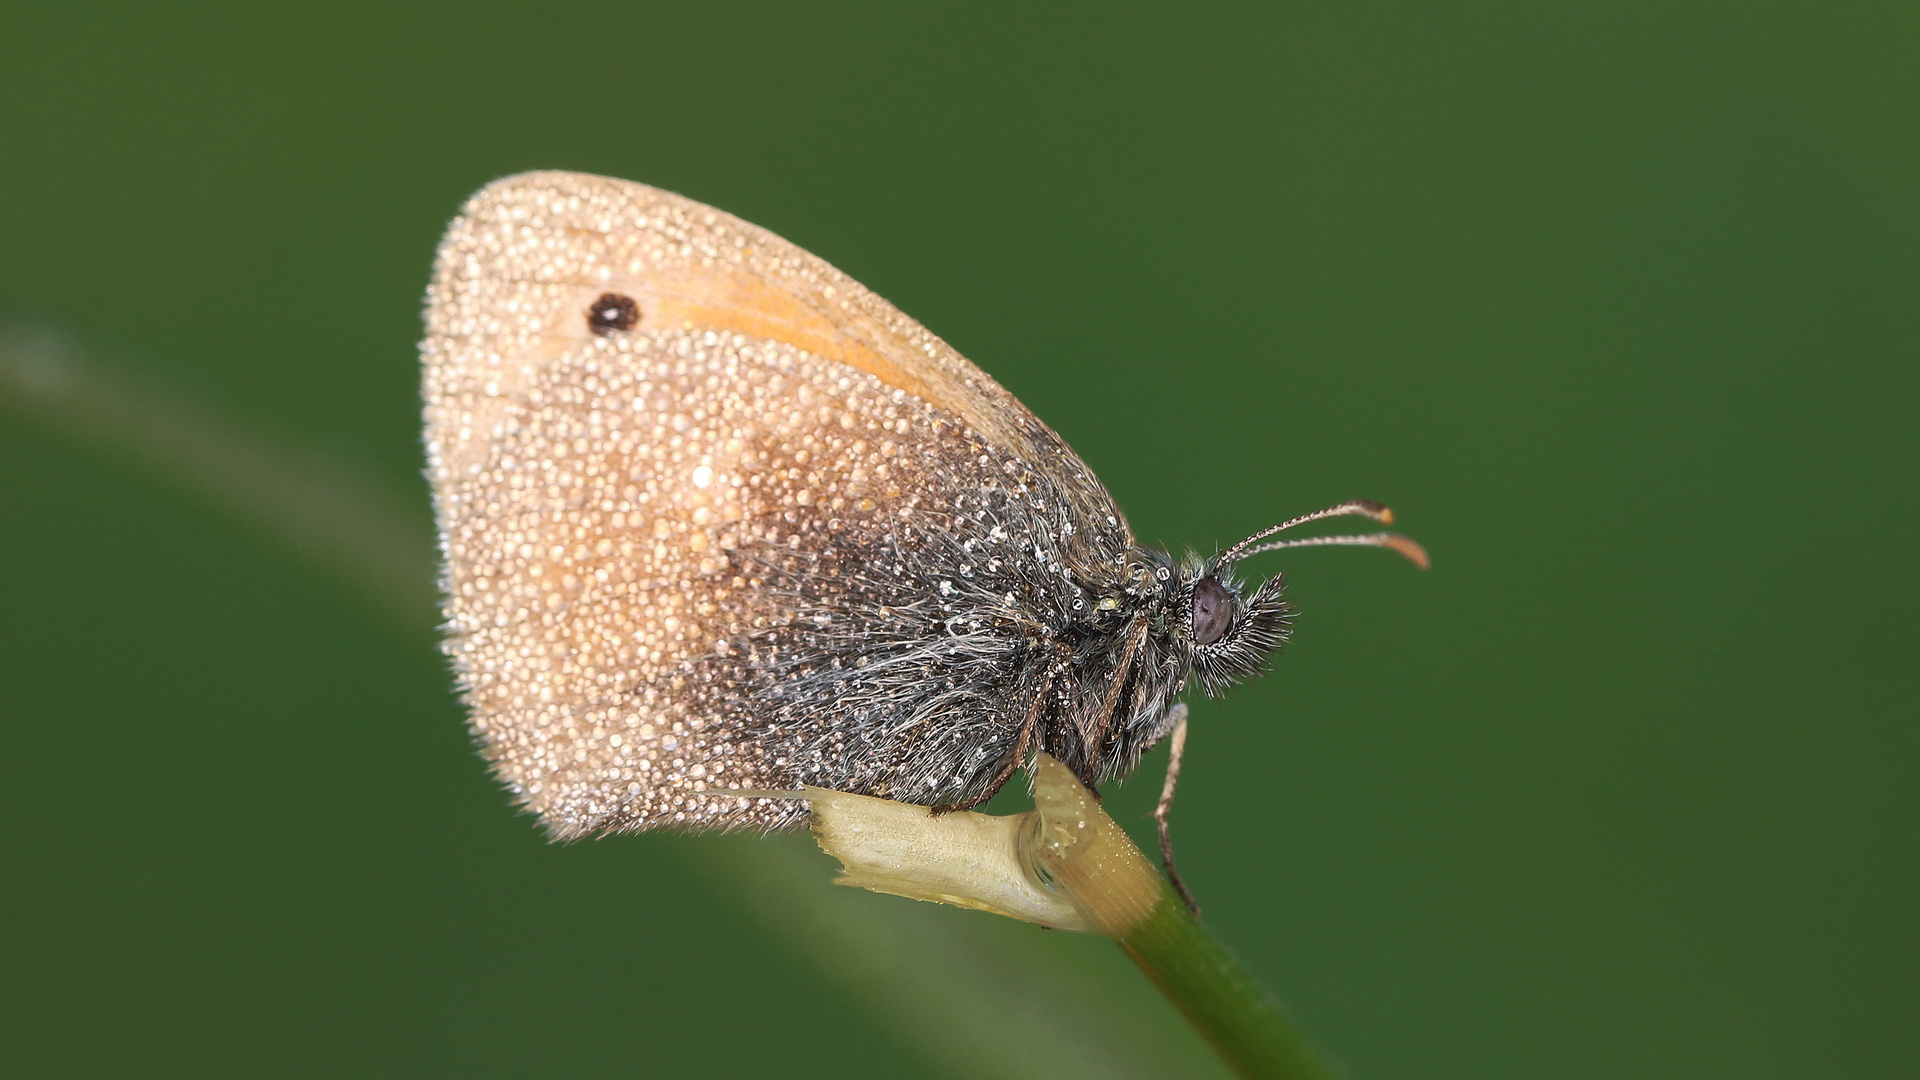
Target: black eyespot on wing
(612, 312)
(1212, 611)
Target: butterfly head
(1222, 630)
(1226, 630)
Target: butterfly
(717, 523)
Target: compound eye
(1212, 611)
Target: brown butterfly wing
(773, 533)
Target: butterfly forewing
(758, 531)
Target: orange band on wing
(747, 305)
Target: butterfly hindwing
(760, 531)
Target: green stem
(1238, 1015)
(1078, 850)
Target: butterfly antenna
(1356, 508)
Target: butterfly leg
(1162, 811)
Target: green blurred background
(1614, 303)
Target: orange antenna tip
(1415, 554)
